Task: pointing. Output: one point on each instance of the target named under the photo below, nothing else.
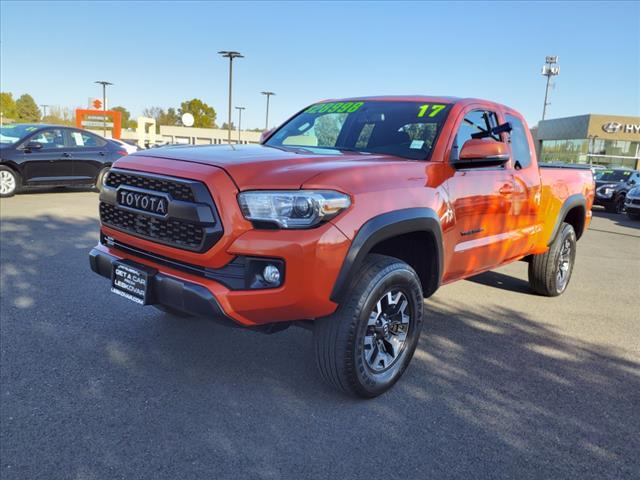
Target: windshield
(404, 129)
(613, 175)
(10, 134)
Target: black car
(612, 186)
(36, 154)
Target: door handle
(102, 154)
(66, 155)
(506, 190)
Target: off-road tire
(339, 339)
(17, 181)
(543, 268)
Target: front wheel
(550, 272)
(9, 182)
(364, 348)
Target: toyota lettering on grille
(144, 202)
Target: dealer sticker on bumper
(130, 282)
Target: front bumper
(603, 201)
(632, 205)
(169, 291)
(311, 259)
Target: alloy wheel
(387, 329)
(7, 182)
(564, 265)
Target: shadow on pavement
(502, 281)
(96, 387)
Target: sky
(162, 53)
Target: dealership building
(590, 139)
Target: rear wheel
(550, 272)
(9, 182)
(365, 347)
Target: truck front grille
(178, 191)
(173, 232)
(191, 223)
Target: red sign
(97, 104)
(116, 116)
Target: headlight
(292, 209)
(606, 191)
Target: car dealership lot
(504, 383)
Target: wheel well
(419, 250)
(575, 218)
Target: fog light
(271, 274)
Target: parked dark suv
(612, 186)
(35, 154)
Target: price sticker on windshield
(335, 107)
(430, 109)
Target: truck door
(481, 201)
(526, 194)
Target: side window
(519, 142)
(79, 139)
(476, 122)
(49, 139)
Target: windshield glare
(613, 175)
(404, 129)
(10, 134)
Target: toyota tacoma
(343, 220)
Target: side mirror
(266, 134)
(482, 153)
(32, 146)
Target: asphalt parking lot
(504, 384)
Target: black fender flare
(575, 200)
(383, 227)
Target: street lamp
(239, 121)
(549, 69)
(44, 110)
(268, 94)
(230, 55)
(104, 104)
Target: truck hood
(261, 167)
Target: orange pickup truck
(343, 220)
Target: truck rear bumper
(169, 291)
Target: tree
(170, 117)
(59, 116)
(152, 112)
(8, 105)
(225, 127)
(125, 117)
(204, 116)
(27, 110)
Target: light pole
(549, 69)
(230, 55)
(104, 104)
(268, 94)
(44, 110)
(239, 121)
